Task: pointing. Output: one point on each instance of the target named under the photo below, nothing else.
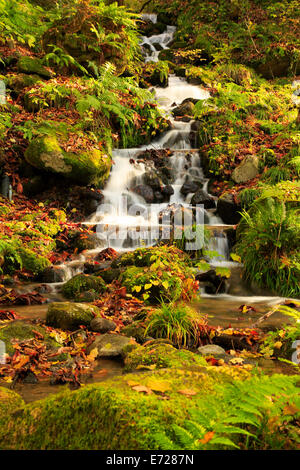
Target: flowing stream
(126, 221)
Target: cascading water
(125, 220)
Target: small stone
(111, 345)
(212, 350)
(102, 325)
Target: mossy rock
(110, 274)
(69, 315)
(112, 346)
(88, 241)
(112, 415)
(81, 283)
(136, 331)
(160, 356)
(22, 330)
(90, 167)
(9, 402)
(18, 83)
(32, 65)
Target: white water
(115, 224)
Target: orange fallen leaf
(208, 437)
(188, 392)
(142, 388)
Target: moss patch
(76, 287)
(70, 316)
(9, 402)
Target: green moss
(18, 83)
(32, 65)
(160, 355)
(82, 283)
(110, 415)
(21, 330)
(9, 402)
(33, 262)
(69, 315)
(92, 167)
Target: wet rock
(158, 197)
(246, 170)
(186, 108)
(145, 191)
(212, 350)
(201, 197)
(111, 345)
(213, 283)
(148, 28)
(86, 241)
(167, 190)
(102, 325)
(158, 46)
(189, 187)
(70, 315)
(151, 179)
(52, 274)
(228, 209)
(83, 286)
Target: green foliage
(268, 237)
(159, 273)
(176, 322)
(279, 343)
(250, 414)
(79, 285)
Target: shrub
(178, 323)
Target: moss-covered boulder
(81, 284)
(159, 355)
(87, 167)
(10, 401)
(69, 315)
(32, 65)
(112, 345)
(125, 413)
(19, 82)
(20, 330)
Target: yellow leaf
(188, 392)
(165, 284)
(158, 385)
(137, 288)
(278, 345)
(93, 354)
(147, 286)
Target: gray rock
(102, 325)
(246, 170)
(111, 345)
(52, 274)
(70, 315)
(212, 350)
